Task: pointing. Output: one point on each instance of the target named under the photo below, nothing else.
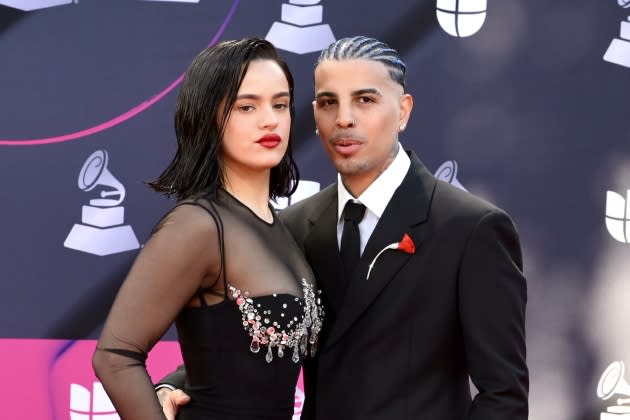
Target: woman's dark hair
(214, 77)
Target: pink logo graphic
(299, 398)
(56, 381)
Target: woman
(220, 263)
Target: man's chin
(349, 167)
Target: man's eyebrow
(254, 96)
(358, 92)
(372, 91)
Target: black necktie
(350, 249)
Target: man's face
(359, 110)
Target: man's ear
(406, 105)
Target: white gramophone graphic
(618, 51)
(612, 383)
(461, 18)
(302, 29)
(94, 405)
(28, 5)
(102, 231)
(447, 172)
(618, 216)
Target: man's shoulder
(298, 217)
(451, 201)
(446, 200)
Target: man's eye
(281, 106)
(365, 99)
(326, 102)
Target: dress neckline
(241, 204)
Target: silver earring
(402, 127)
(317, 131)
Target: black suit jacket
(402, 344)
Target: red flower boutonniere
(405, 245)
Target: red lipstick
(269, 141)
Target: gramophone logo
(612, 383)
(301, 29)
(461, 18)
(618, 216)
(94, 405)
(618, 51)
(102, 230)
(447, 172)
(28, 5)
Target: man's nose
(345, 118)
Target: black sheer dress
(245, 305)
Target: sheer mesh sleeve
(181, 257)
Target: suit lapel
(408, 208)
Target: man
(402, 342)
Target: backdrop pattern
(523, 103)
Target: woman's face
(256, 133)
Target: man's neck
(356, 184)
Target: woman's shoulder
(195, 216)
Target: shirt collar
(377, 195)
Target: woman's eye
(246, 108)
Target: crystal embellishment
(296, 335)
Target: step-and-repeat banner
(523, 103)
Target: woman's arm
(179, 258)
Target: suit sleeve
(492, 300)
(295, 223)
(176, 379)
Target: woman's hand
(171, 401)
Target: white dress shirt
(375, 198)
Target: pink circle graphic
(127, 115)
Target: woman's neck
(251, 189)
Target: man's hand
(171, 400)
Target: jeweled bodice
(295, 325)
(243, 354)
